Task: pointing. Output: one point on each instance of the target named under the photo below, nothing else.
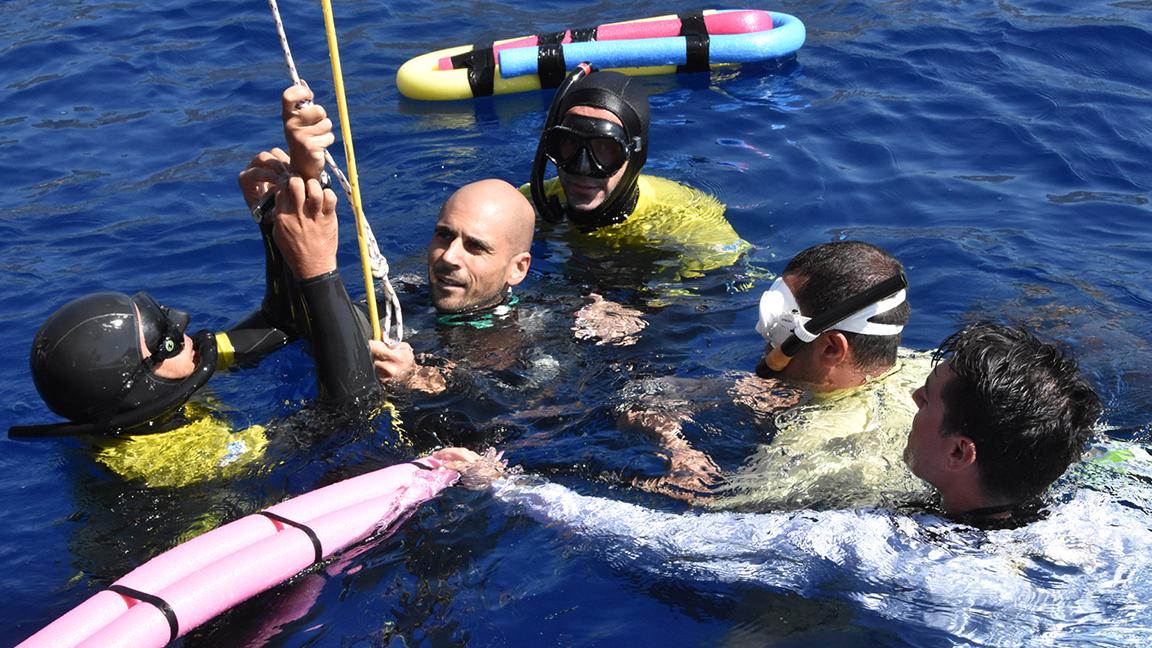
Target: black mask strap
(779, 357)
(549, 210)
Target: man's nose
(583, 164)
(452, 252)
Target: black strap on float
(303, 527)
(695, 33)
(550, 65)
(551, 38)
(154, 601)
(481, 66)
(583, 35)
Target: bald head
(497, 206)
(481, 246)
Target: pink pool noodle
(401, 486)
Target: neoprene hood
(87, 364)
(622, 96)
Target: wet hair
(1023, 404)
(831, 273)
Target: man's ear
(961, 452)
(833, 348)
(518, 268)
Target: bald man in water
(478, 252)
(480, 247)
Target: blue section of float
(786, 36)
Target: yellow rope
(350, 155)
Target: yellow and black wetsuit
(205, 446)
(686, 224)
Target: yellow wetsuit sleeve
(225, 352)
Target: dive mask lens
(779, 314)
(609, 153)
(163, 328)
(594, 148)
(562, 145)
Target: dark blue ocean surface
(1000, 150)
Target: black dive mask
(620, 95)
(590, 147)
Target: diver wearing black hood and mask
(119, 365)
(596, 134)
(594, 147)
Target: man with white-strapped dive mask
(830, 383)
(822, 351)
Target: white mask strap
(858, 321)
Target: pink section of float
(215, 571)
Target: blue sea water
(999, 150)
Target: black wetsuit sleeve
(339, 346)
(275, 324)
(247, 343)
(282, 307)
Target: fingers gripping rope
(393, 320)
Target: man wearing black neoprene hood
(118, 365)
(596, 134)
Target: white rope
(376, 259)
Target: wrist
(316, 275)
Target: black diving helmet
(88, 366)
(595, 148)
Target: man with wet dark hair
(817, 280)
(1000, 418)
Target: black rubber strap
(550, 65)
(695, 33)
(303, 527)
(583, 35)
(419, 465)
(481, 69)
(463, 60)
(154, 601)
(551, 38)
